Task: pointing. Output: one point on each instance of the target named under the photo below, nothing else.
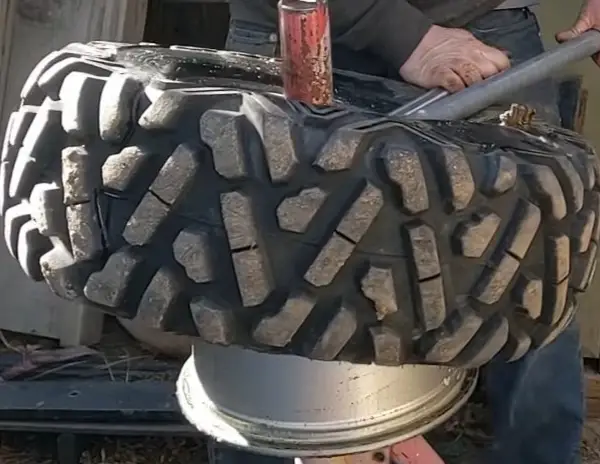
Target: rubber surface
(163, 186)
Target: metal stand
(413, 451)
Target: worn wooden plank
(589, 320)
(124, 21)
(41, 26)
(7, 14)
(592, 393)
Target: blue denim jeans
(537, 402)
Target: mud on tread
(333, 234)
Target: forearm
(389, 28)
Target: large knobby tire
(209, 208)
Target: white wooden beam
(7, 15)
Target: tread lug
(116, 107)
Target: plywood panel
(42, 26)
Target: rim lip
(268, 440)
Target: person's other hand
(589, 18)
(452, 59)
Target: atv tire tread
(334, 234)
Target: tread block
(423, 246)
(84, 232)
(177, 174)
(236, 211)
(15, 218)
(31, 93)
(583, 228)
(117, 107)
(335, 337)
(31, 246)
(528, 294)
(192, 250)
(449, 340)
(585, 169)
(329, 261)
(119, 170)
(546, 337)
(404, 169)
(583, 268)
(47, 209)
(7, 131)
(278, 330)
(43, 140)
(20, 124)
(253, 277)
(517, 345)
(280, 150)
(558, 258)
(495, 280)
(58, 268)
(361, 214)
(488, 340)
(555, 301)
(574, 190)
(165, 112)
(147, 217)
(52, 79)
(546, 189)
(502, 174)
(80, 96)
(214, 323)
(4, 181)
(339, 150)
(522, 229)
(78, 177)
(295, 213)
(222, 131)
(108, 286)
(458, 178)
(388, 346)
(378, 286)
(474, 236)
(432, 303)
(159, 299)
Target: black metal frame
(91, 406)
(75, 409)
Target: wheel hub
(289, 406)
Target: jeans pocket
(247, 37)
(504, 21)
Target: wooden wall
(187, 23)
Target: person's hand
(589, 18)
(452, 59)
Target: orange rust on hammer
(306, 51)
